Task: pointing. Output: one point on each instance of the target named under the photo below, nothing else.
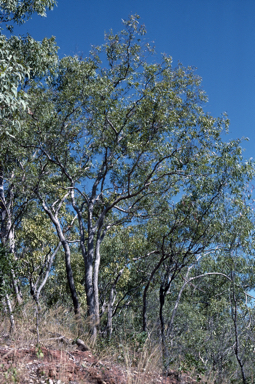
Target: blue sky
(215, 36)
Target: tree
(117, 136)
(116, 154)
(217, 283)
(22, 59)
(38, 249)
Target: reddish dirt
(27, 366)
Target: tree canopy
(115, 168)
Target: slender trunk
(2, 204)
(89, 283)
(67, 252)
(110, 312)
(88, 255)
(12, 251)
(70, 278)
(16, 287)
(95, 280)
(35, 295)
(38, 311)
(165, 353)
(96, 273)
(9, 306)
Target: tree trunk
(67, 252)
(16, 287)
(110, 312)
(89, 284)
(9, 306)
(70, 278)
(95, 280)
(12, 251)
(99, 240)
(88, 255)
(165, 353)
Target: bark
(67, 251)
(38, 311)
(165, 353)
(16, 287)
(2, 204)
(89, 284)
(110, 312)
(95, 280)
(9, 306)
(100, 237)
(15, 283)
(69, 274)
(88, 255)
(164, 288)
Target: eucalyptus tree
(15, 201)
(37, 248)
(21, 58)
(124, 253)
(201, 224)
(119, 134)
(215, 284)
(204, 334)
(20, 11)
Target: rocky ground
(52, 366)
(73, 365)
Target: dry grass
(52, 321)
(140, 362)
(136, 361)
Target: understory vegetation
(122, 207)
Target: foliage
(117, 162)
(7, 264)
(21, 59)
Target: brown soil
(28, 365)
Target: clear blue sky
(215, 36)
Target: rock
(81, 345)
